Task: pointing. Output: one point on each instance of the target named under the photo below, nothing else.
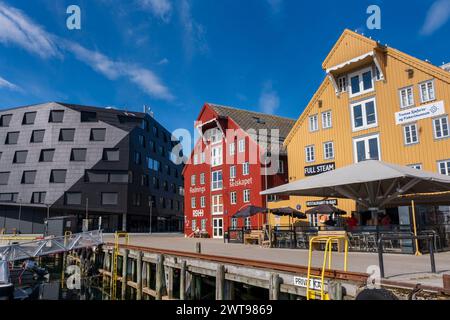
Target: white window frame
(195, 159)
(193, 178)
(232, 148)
(241, 145)
(193, 202)
(312, 152)
(314, 123)
(246, 197)
(342, 84)
(202, 202)
(202, 158)
(232, 172)
(405, 136)
(359, 73)
(202, 178)
(441, 127)
(194, 224)
(363, 104)
(217, 205)
(216, 184)
(216, 135)
(245, 168)
(248, 223)
(327, 121)
(428, 98)
(234, 223)
(447, 167)
(325, 150)
(366, 139)
(216, 156)
(233, 197)
(407, 96)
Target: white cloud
(18, 29)
(8, 85)
(144, 78)
(193, 32)
(437, 16)
(159, 8)
(275, 5)
(163, 62)
(269, 100)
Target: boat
(6, 286)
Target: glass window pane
(357, 115)
(73, 198)
(47, 155)
(58, 176)
(78, 155)
(370, 112)
(56, 116)
(37, 136)
(373, 149)
(361, 150)
(98, 134)
(109, 198)
(67, 135)
(367, 80)
(354, 81)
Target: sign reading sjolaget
(422, 112)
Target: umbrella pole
(418, 253)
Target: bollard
(274, 287)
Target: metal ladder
(315, 285)
(114, 275)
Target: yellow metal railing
(117, 237)
(313, 293)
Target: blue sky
(174, 55)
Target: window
(4, 178)
(241, 146)
(137, 158)
(427, 91)
(195, 159)
(20, 157)
(67, 135)
(136, 199)
(58, 176)
(111, 154)
(28, 118)
(215, 135)
(56, 116)
(216, 182)
(72, 198)
(410, 133)
(417, 166)
(248, 223)
(246, 169)
(203, 224)
(203, 202)
(8, 197)
(406, 97)
(342, 84)
(28, 177)
(313, 123)
(202, 178)
(94, 176)
(202, 157)
(155, 182)
(367, 148)
(110, 198)
(328, 150)
(12, 138)
(444, 167)
(38, 197)
(88, 116)
(232, 148)
(37, 136)
(234, 223)
(141, 140)
(193, 203)
(364, 115)
(326, 120)
(194, 225)
(5, 120)
(46, 155)
(280, 167)
(216, 156)
(217, 204)
(233, 197)
(233, 172)
(78, 155)
(246, 196)
(441, 129)
(310, 154)
(193, 180)
(98, 135)
(361, 82)
(155, 131)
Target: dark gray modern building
(59, 159)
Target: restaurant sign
(311, 204)
(319, 168)
(422, 112)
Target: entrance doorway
(218, 228)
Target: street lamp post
(20, 214)
(150, 204)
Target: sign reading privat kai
(422, 112)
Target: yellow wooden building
(375, 102)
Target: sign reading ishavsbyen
(422, 112)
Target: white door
(367, 148)
(218, 228)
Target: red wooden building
(227, 170)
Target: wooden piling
(229, 290)
(139, 276)
(220, 282)
(170, 284)
(183, 281)
(274, 287)
(126, 252)
(198, 247)
(159, 277)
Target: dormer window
(214, 135)
(361, 82)
(342, 84)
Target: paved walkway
(399, 267)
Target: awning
(287, 211)
(353, 63)
(371, 183)
(249, 211)
(326, 209)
